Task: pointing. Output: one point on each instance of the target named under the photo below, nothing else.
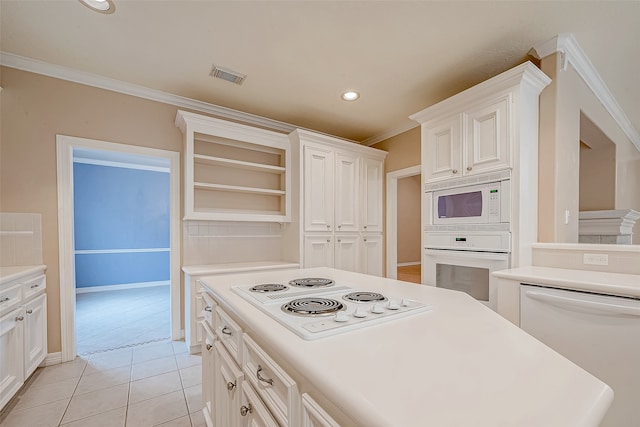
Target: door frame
(64, 148)
(392, 216)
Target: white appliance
(317, 307)
(487, 203)
(464, 260)
(600, 333)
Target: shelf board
(239, 164)
(238, 189)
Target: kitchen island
(456, 364)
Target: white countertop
(593, 281)
(236, 267)
(7, 274)
(459, 364)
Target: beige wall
(561, 105)
(409, 209)
(404, 150)
(34, 109)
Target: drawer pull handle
(5, 299)
(29, 311)
(35, 286)
(261, 378)
(19, 318)
(246, 409)
(208, 308)
(231, 385)
(226, 330)
(209, 346)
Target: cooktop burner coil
(313, 306)
(312, 282)
(364, 297)
(269, 287)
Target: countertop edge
(18, 271)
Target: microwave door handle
(585, 304)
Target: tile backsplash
(212, 242)
(20, 239)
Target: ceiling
(300, 55)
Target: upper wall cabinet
(478, 131)
(234, 172)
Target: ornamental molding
(571, 53)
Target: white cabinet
(234, 172)
(471, 142)
(313, 415)
(371, 255)
(23, 329)
(243, 386)
(11, 354)
(35, 333)
(341, 200)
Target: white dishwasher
(600, 333)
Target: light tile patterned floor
(151, 385)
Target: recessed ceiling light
(350, 95)
(102, 6)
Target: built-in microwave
(487, 203)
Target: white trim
(390, 134)
(392, 216)
(120, 165)
(407, 264)
(52, 359)
(567, 45)
(119, 251)
(65, 146)
(64, 73)
(88, 289)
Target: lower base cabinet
(11, 350)
(243, 386)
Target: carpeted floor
(118, 319)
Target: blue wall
(120, 208)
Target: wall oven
(464, 260)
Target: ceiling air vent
(228, 75)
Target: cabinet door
(227, 378)
(318, 189)
(313, 415)
(442, 149)
(346, 252)
(372, 255)
(208, 375)
(252, 411)
(371, 207)
(347, 199)
(488, 141)
(318, 251)
(35, 333)
(11, 354)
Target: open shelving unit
(234, 172)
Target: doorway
(404, 194)
(108, 153)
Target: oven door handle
(492, 256)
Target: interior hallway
(151, 385)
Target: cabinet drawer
(10, 297)
(275, 387)
(313, 415)
(34, 286)
(229, 332)
(253, 410)
(206, 309)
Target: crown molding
(64, 73)
(571, 53)
(389, 134)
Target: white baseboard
(120, 287)
(405, 264)
(52, 359)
